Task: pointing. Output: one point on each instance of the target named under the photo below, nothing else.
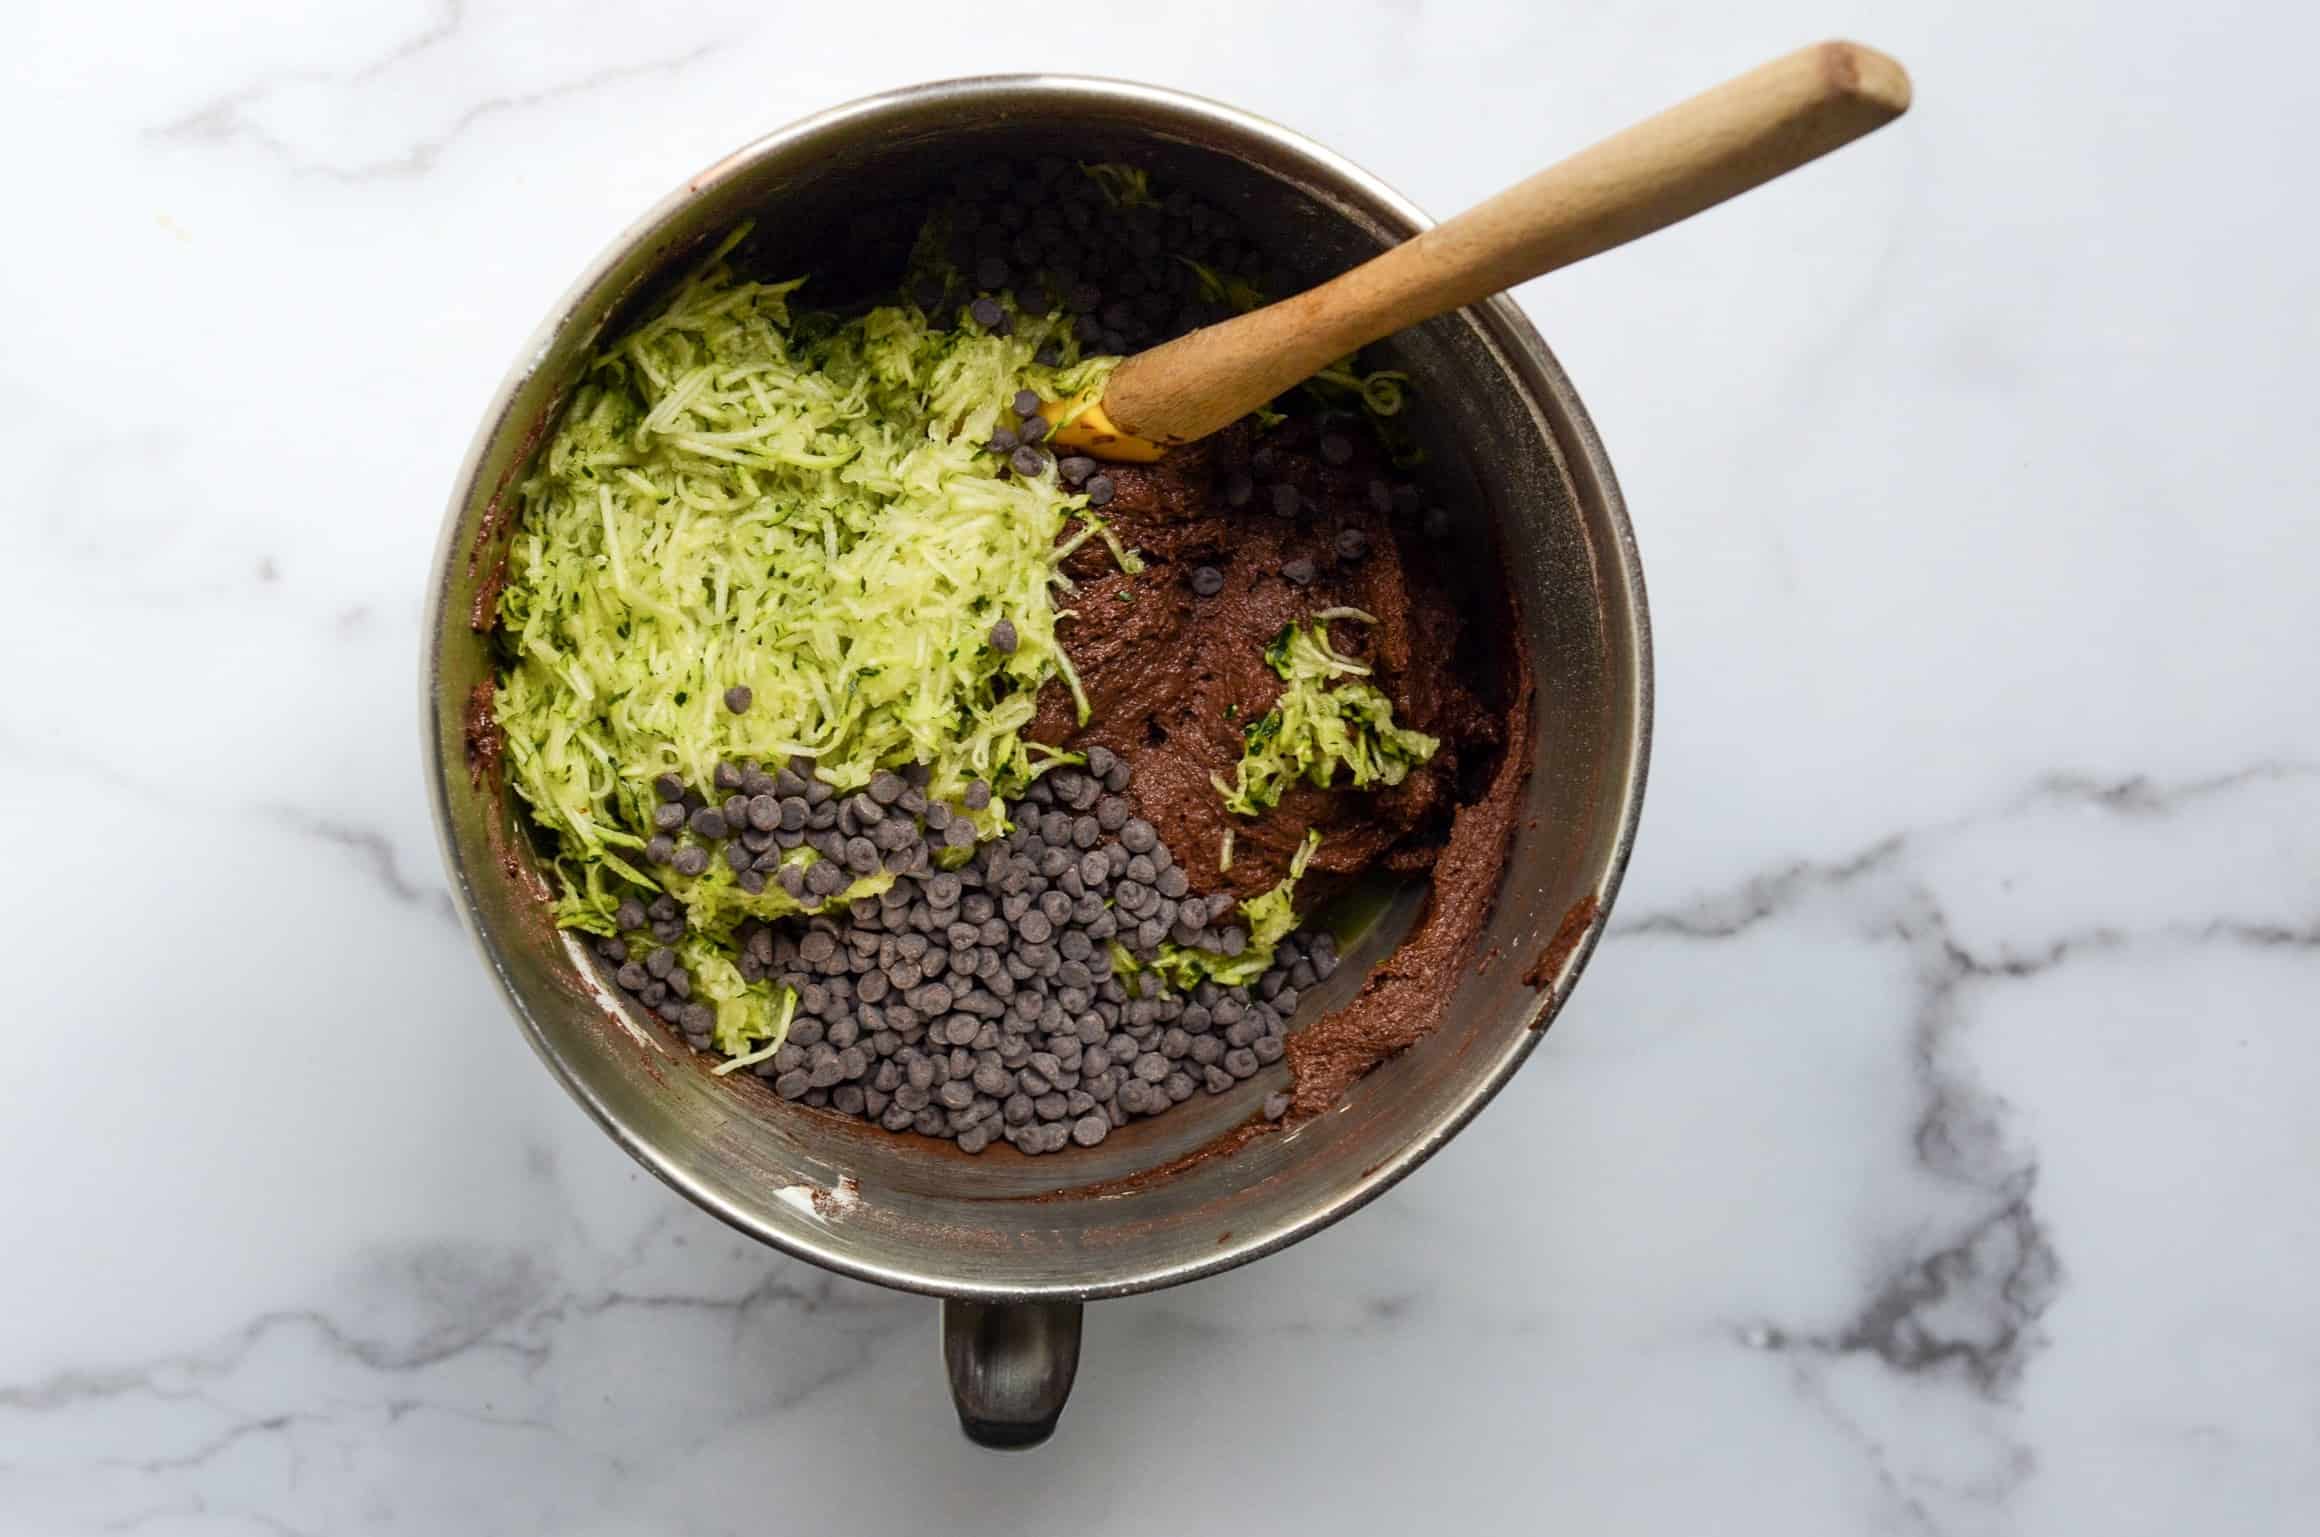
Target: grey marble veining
(1928, 1149)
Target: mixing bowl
(1014, 1245)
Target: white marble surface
(1932, 1149)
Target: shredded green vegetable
(735, 1036)
(1216, 288)
(740, 495)
(1270, 918)
(1382, 392)
(1314, 729)
(1123, 186)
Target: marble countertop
(1930, 1149)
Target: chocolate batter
(1174, 678)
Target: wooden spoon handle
(1695, 155)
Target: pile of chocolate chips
(1130, 268)
(984, 1002)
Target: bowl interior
(1510, 453)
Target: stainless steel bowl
(1015, 1245)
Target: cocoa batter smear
(485, 742)
(1549, 962)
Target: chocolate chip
(737, 699)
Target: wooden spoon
(1739, 135)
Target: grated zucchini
(1270, 918)
(1314, 729)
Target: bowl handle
(1011, 1366)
